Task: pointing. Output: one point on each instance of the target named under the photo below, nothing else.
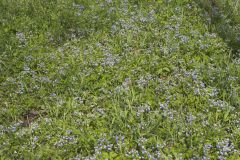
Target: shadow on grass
(224, 20)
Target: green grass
(115, 80)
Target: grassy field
(117, 79)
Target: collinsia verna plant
(115, 79)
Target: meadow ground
(116, 79)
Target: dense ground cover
(115, 79)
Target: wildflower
(21, 37)
(163, 106)
(224, 148)
(190, 118)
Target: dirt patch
(30, 116)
